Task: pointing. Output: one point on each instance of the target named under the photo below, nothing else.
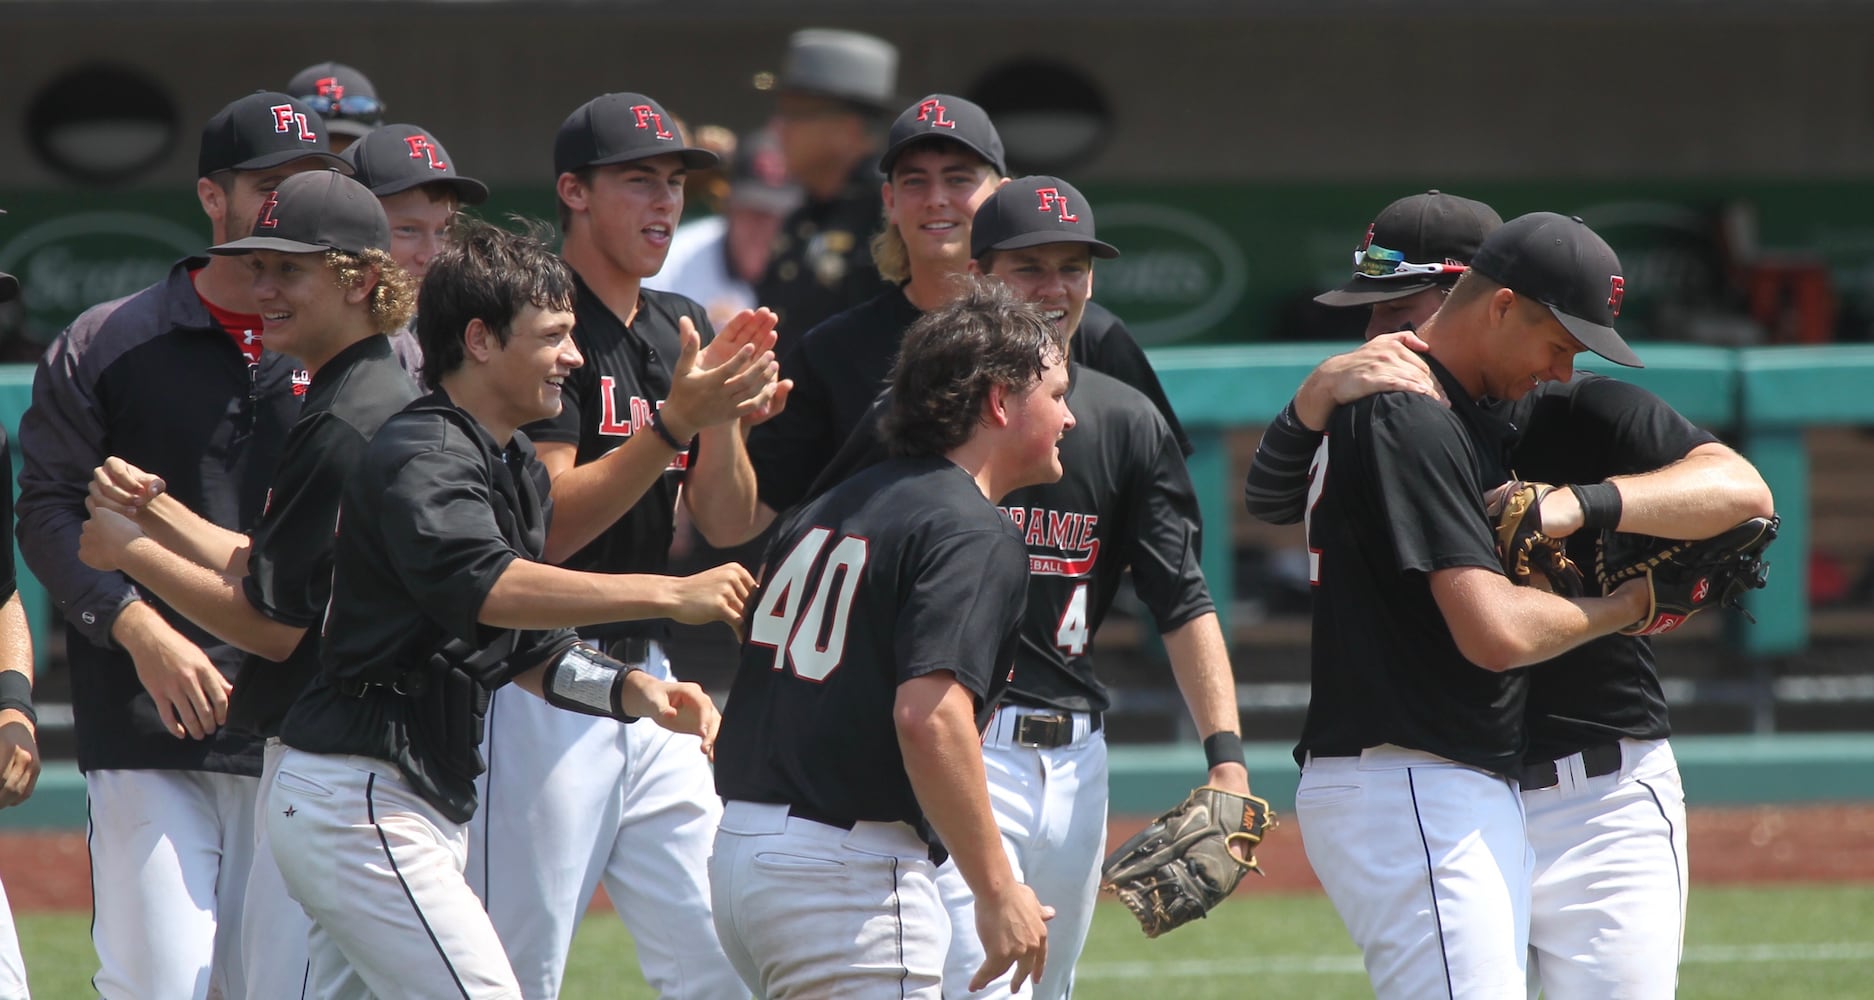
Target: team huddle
(362, 527)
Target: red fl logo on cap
(647, 116)
(284, 117)
(328, 86)
(1050, 199)
(1367, 240)
(932, 111)
(1616, 292)
(420, 146)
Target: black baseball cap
(1034, 211)
(1558, 261)
(342, 95)
(945, 117)
(314, 212)
(1418, 242)
(396, 158)
(758, 175)
(264, 130)
(620, 128)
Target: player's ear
(360, 293)
(1502, 304)
(884, 191)
(976, 270)
(214, 200)
(478, 341)
(571, 191)
(996, 406)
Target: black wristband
(1600, 505)
(1223, 748)
(662, 430)
(16, 692)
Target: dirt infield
(1764, 844)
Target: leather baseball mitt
(1527, 553)
(1685, 578)
(1189, 859)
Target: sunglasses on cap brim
(1375, 261)
(355, 106)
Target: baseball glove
(1685, 578)
(1526, 553)
(1187, 860)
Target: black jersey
(821, 263)
(1398, 494)
(1103, 343)
(626, 376)
(1584, 431)
(433, 514)
(901, 571)
(838, 370)
(289, 564)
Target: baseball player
(1604, 804)
(650, 420)
(834, 91)
(437, 598)
(878, 642)
(19, 744)
(415, 179)
(176, 381)
(343, 97)
(1125, 500)
(1416, 705)
(328, 291)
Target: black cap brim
(692, 157)
(1100, 248)
(253, 243)
(285, 156)
(1602, 340)
(468, 190)
(9, 287)
(890, 159)
(1361, 290)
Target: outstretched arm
(1200, 661)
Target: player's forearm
(942, 750)
(175, 527)
(16, 640)
(531, 595)
(1500, 626)
(1200, 662)
(589, 498)
(720, 491)
(210, 599)
(1707, 492)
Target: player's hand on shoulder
(190, 694)
(102, 538)
(714, 595)
(679, 706)
(1013, 929)
(1389, 363)
(19, 758)
(704, 395)
(119, 486)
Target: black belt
(1598, 760)
(411, 683)
(1049, 732)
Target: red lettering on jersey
(1050, 199)
(1037, 529)
(1089, 523)
(641, 413)
(648, 116)
(328, 86)
(932, 110)
(1616, 293)
(1060, 529)
(267, 221)
(609, 424)
(1701, 590)
(420, 147)
(282, 118)
(1019, 515)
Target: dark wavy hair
(486, 273)
(952, 355)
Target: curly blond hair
(393, 300)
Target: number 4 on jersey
(1072, 635)
(797, 631)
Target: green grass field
(1765, 943)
